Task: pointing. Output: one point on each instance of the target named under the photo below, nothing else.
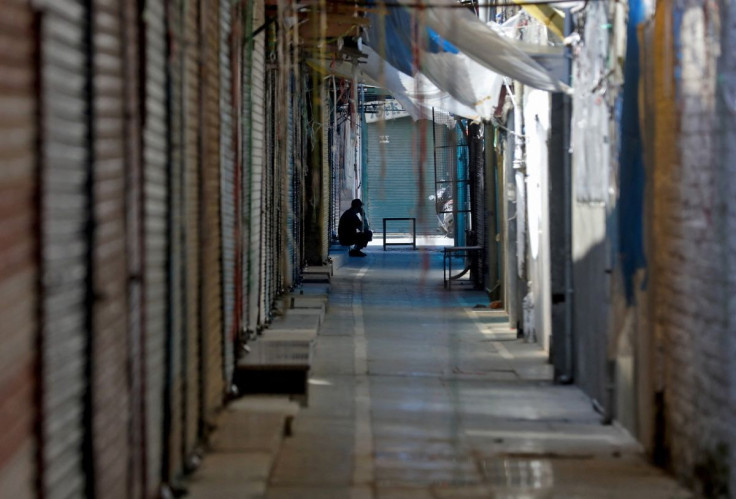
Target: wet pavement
(414, 393)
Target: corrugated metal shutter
(327, 134)
(325, 175)
(193, 179)
(155, 208)
(18, 266)
(288, 195)
(300, 155)
(254, 130)
(269, 250)
(174, 414)
(394, 189)
(64, 250)
(111, 401)
(230, 198)
(211, 368)
(134, 239)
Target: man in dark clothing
(350, 229)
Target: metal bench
(469, 253)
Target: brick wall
(726, 105)
(690, 285)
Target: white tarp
(489, 48)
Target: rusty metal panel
(212, 368)
(64, 220)
(18, 243)
(229, 195)
(111, 401)
(155, 208)
(190, 346)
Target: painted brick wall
(726, 105)
(689, 258)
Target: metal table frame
(413, 244)
(450, 252)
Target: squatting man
(352, 231)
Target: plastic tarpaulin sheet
(437, 61)
(483, 44)
(417, 95)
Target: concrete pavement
(414, 393)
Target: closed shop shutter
(325, 176)
(230, 198)
(255, 122)
(269, 245)
(64, 217)
(193, 184)
(394, 189)
(134, 225)
(111, 402)
(289, 227)
(178, 292)
(211, 369)
(155, 208)
(18, 266)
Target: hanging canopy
(448, 59)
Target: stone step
(313, 289)
(309, 302)
(316, 274)
(300, 318)
(243, 448)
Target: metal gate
(193, 98)
(402, 185)
(155, 206)
(177, 220)
(18, 265)
(210, 224)
(254, 123)
(452, 191)
(229, 194)
(134, 237)
(65, 247)
(109, 345)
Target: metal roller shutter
(174, 414)
(229, 195)
(211, 234)
(155, 207)
(394, 189)
(255, 122)
(18, 266)
(134, 238)
(287, 192)
(111, 402)
(325, 176)
(64, 218)
(191, 351)
(268, 245)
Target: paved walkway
(416, 394)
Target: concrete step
(307, 314)
(298, 319)
(243, 448)
(313, 289)
(316, 275)
(309, 302)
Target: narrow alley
(367, 249)
(416, 392)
